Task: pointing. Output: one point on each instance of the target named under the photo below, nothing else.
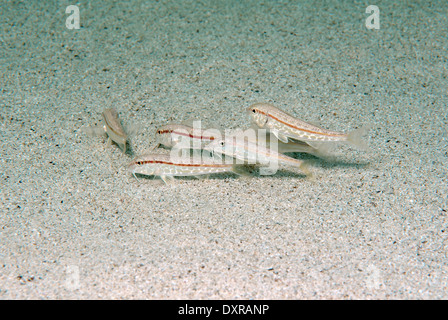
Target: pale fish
(168, 167)
(112, 128)
(284, 126)
(251, 152)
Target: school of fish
(197, 152)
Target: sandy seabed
(75, 224)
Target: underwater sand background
(75, 224)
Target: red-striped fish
(251, 152)
(284, 126)
(166, 166)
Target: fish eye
(139, 162)
(222, 143)
(254, 111)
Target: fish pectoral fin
(216, 156)
(280, 136)
(135, 176)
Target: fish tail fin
(93, 131)
(305, 168)
(133, 129)
(355, 137)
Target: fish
(112, 128)
(250, 152)
(167, 167)
(286, 127)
